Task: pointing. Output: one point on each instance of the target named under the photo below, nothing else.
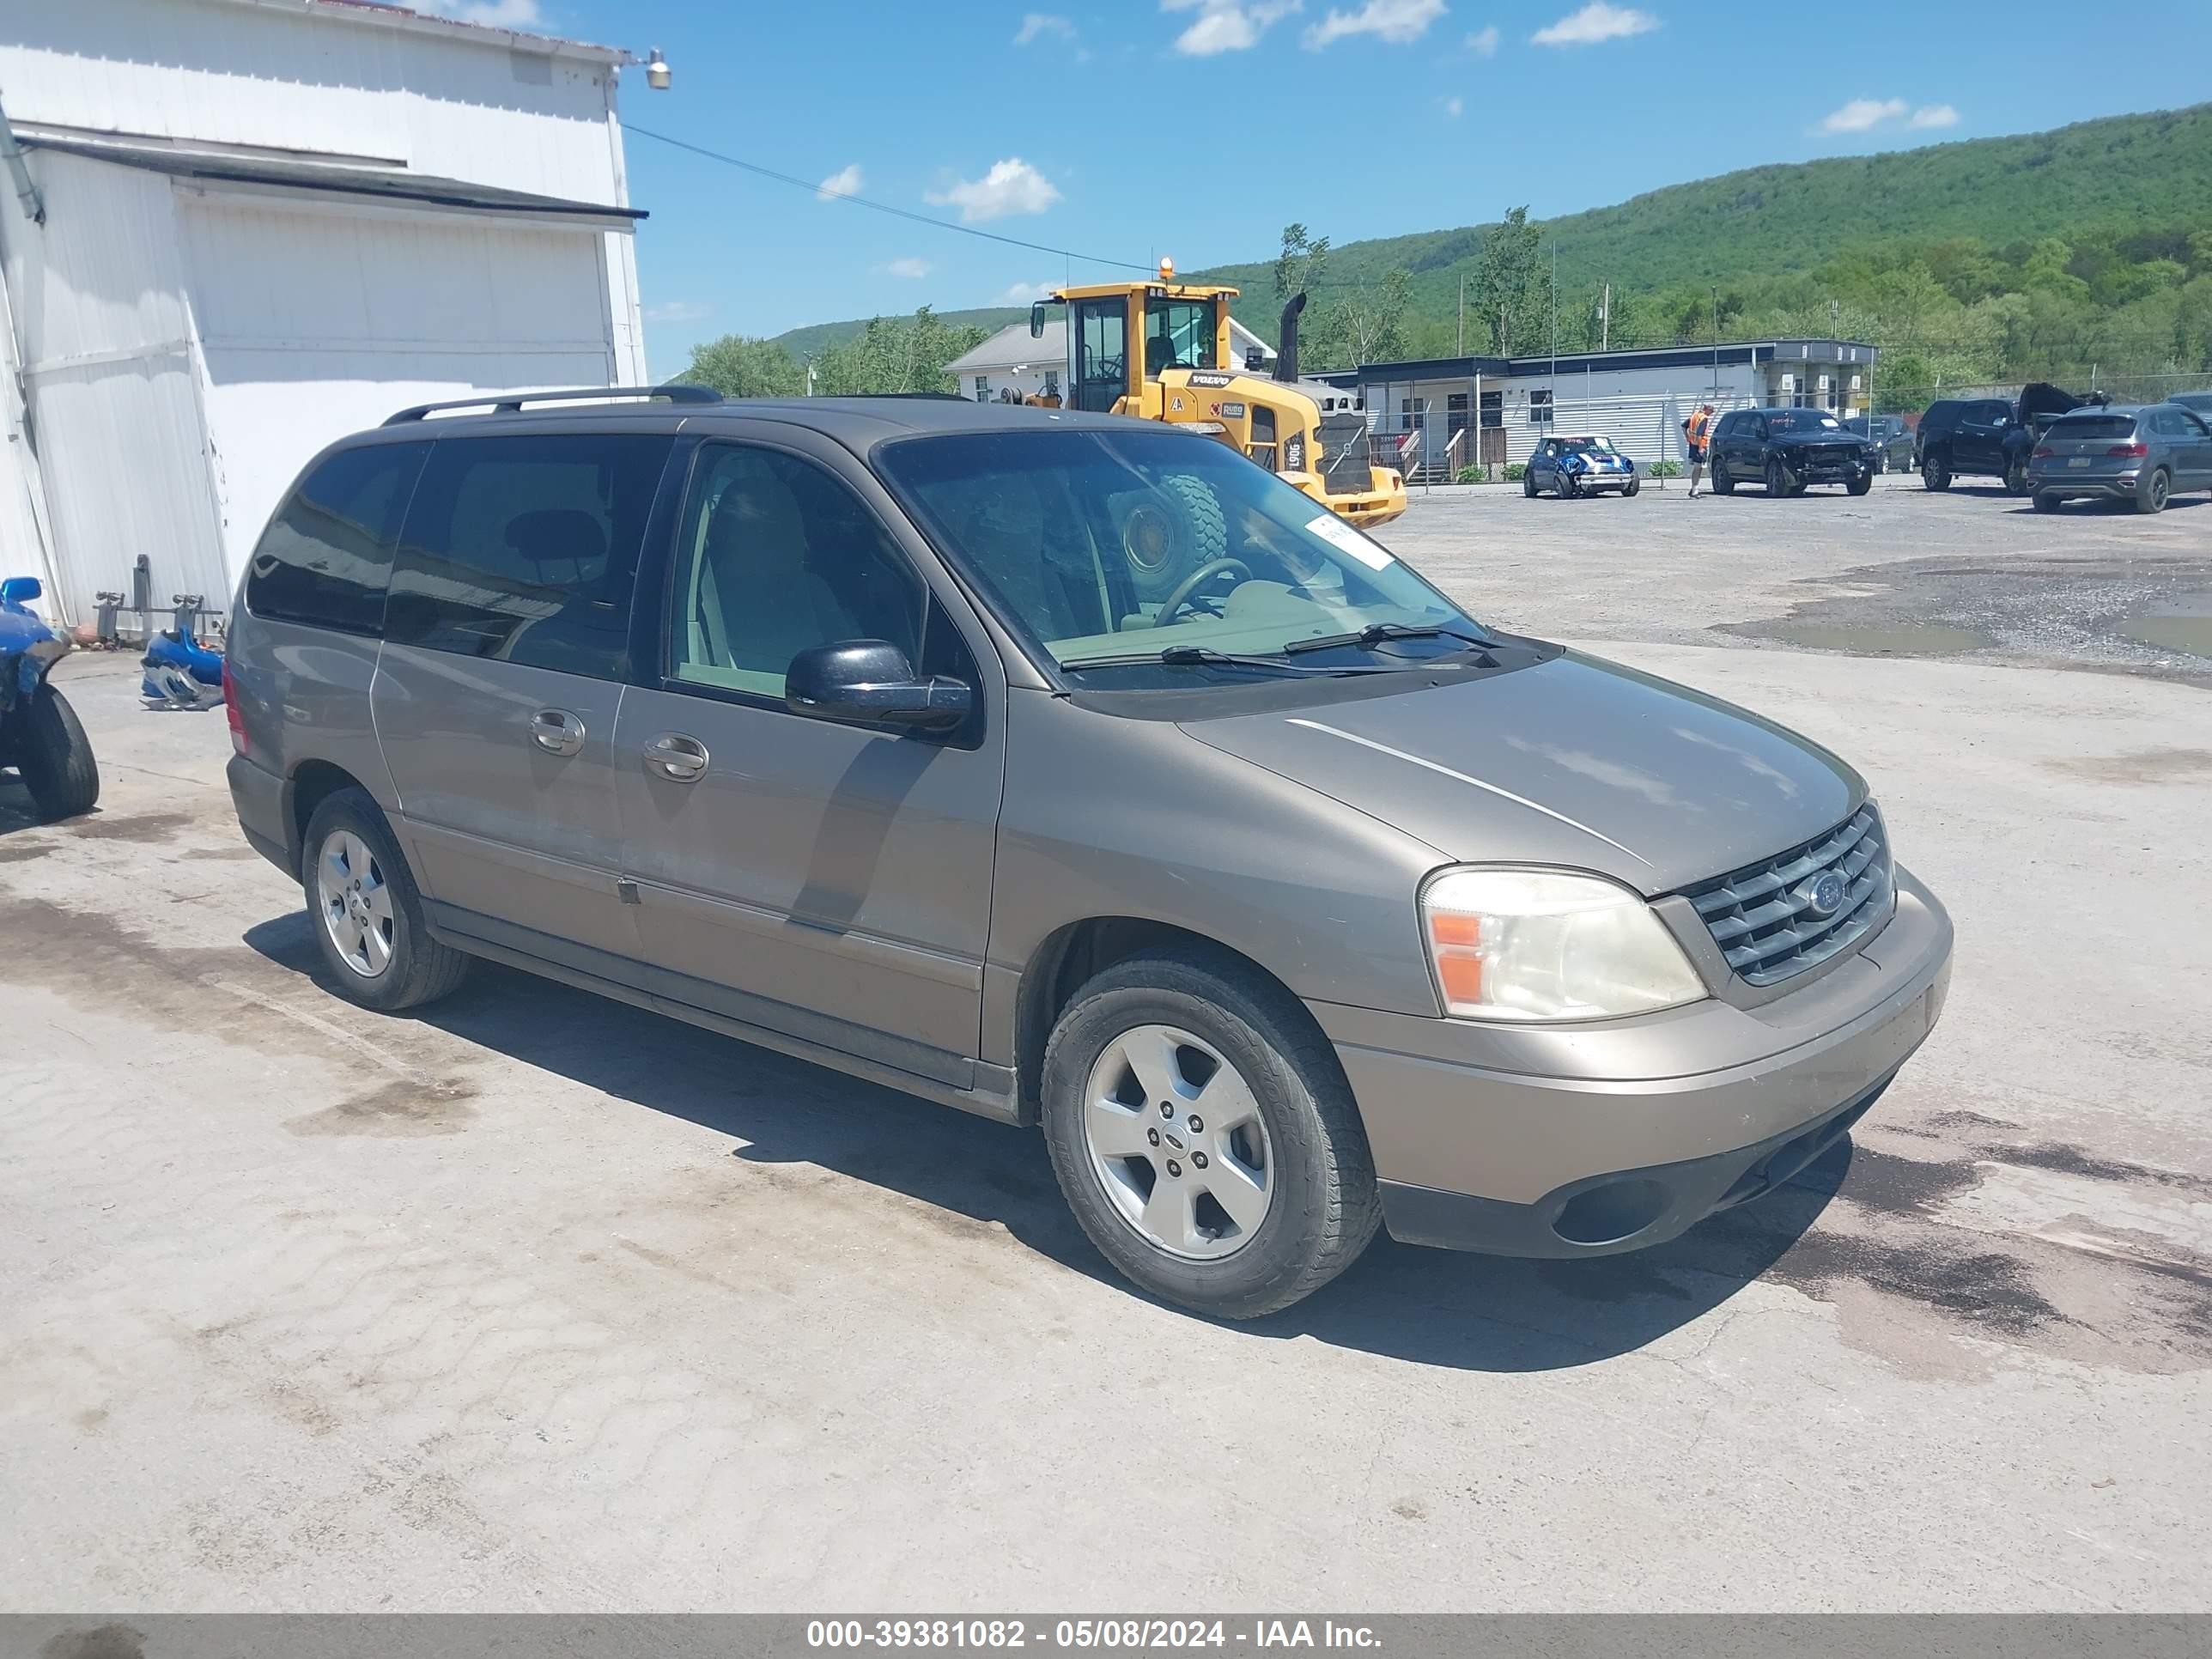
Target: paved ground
(541, 1302)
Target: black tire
(1528, 485)
(1325, 1206)
(1936, 472)
(55, 756)
(1860, 483)
(2152, 492)
(2046, 502)
(421, 969)
(2015, 478)
(1723, 484)
(1200, 535)
(1777, 478)
(1632, 486)
(1563, 485)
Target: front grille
(1343, 440)
(1763, 919)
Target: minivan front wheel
(367, 911)
(1204, 1135)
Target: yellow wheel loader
(1162, 350)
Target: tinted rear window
(526, 549)
(2092, 426)
(326, 556)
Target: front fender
(23, 671)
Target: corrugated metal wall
(116, 417)
(317, 321)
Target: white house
(1451, 412)
(239, 228)
(1014, 361)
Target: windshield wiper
(1200, 656)
(1376, 633)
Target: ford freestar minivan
(1079, 772)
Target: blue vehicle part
(28, 647)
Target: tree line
(2131, 309)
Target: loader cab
(1120, 336)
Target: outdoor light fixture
(656, 71)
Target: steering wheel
(1190, 585)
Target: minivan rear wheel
(366, 912)
(1204, 1135)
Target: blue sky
(1199, 128)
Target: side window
(326, 556)
(524, 549)
(1993, 413)
(776, 554)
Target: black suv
(1988, 437)
(1787, 449)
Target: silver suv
(1079, 772)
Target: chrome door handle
(556, 731)
(677, 757)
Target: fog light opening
(1608, 1214)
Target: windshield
(1178, 334)
(1588, 446)
(1802, 420)
(1109, 548)
(2091, 426)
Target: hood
(2041, 397)
(1803, 439)
(1575, 761)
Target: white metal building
(243, 228)
(1452, 412)
(1014, 360)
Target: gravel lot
(541, 1302)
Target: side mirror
(19, 590)
(1036, 320)
(870, 683)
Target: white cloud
(1595, 23)
(1483, 43)
(1934, 115)
(678, 310)
(1453, 107)
(1022, 293)
(495, 14)
(1398, 21)
(1226, 25)
(846, 181)
(910, 267)
(1011, 186)
(1036, 24)
(1862, 114)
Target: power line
(813, 189)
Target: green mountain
(1809, 237)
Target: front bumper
(1826, 471)
(1586, 1139)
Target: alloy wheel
(1177, 1143)
(355, 904)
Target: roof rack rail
(509, 403)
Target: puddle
(1891, 640)
(2183, 623)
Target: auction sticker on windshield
(1342, 536)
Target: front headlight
(1543, 944)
